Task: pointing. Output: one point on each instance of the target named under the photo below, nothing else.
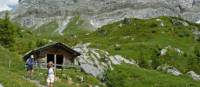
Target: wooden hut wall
(41, 56)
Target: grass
(74, 74)
(140, 38)
(132, 76)
(12, 76)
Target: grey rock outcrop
(97, 13)
(164, 51)
(169, 69)
(196, 33)
(193, 75)
(95, 61)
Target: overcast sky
(8, 4)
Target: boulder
(193, 75)
(169, 69)
(164, 51)
(90, 69)
(196, 34)
(95, 61)
(174, 71)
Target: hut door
(59, 60)
(50, 57)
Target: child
(51, 76)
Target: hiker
(29, 65)
(51, 76)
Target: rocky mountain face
(97, 13)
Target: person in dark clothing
(29, 65)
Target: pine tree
(7, 31)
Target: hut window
(50, 57)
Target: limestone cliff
(97, 13)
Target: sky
(8, 4)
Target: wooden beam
(63, 60)
(55, 63)
(46, 59)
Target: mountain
(96, 13)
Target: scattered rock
(196, 34)
(180, 52)
(174, 71)
(118, 59)
(164, 51)
(179, 22)
(169, 69)
(193, 75)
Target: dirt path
(34, 81)
(37, 83)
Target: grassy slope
(131, 76)
(13, 76)
(143, 39)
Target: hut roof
(56, 45)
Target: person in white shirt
(51, 76)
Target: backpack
(29, 61)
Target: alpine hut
(59, 53)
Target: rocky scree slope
(96, 13)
